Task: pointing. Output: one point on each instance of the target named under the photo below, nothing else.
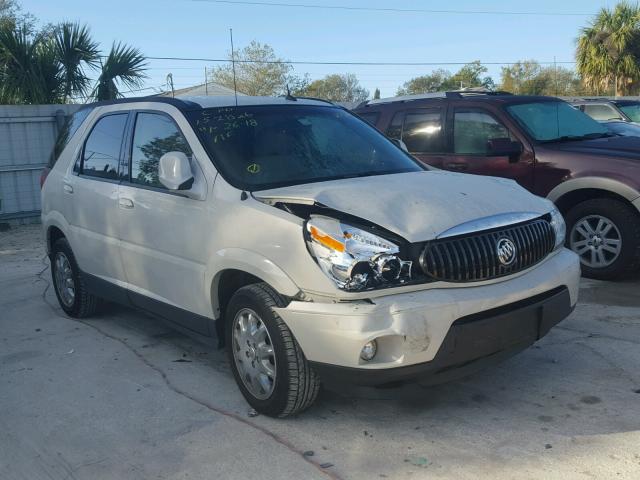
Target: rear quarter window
(370, 117)
(68, 130)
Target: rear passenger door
(161, 230)
(422, 131)
(93, 191)
(471, 128)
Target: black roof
(176, 102)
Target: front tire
(605, 233)
(268, 364)
(70, 289)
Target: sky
(200, 29)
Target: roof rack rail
(317, 99)
(421, 96)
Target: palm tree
(29, 72)
(608, 50)
(125, 65)
(52, 66)
(75, 50)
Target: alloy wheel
(597, 240)
(65, 284)
(253, 353)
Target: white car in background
(314, 248)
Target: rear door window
(155, 134)
(422, 131)
(101, 154)
(472, 130)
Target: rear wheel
(268, 364)
(70, 289)
(605, 233)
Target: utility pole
(555, 75)
(206, 82)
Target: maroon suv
(543, 143)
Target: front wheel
(268, 364)
(605, 233)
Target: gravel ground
(122, 396)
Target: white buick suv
(312, 247)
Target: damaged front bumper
(441, 328)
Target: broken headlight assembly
(353, 258)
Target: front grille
(474, 257)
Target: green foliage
(75, 49)
(124, 65)
(29, 72)
(258, 71)
(50, 65)
(528, 77)
(608, 49)
(11, 15)
(376, 94)
(338, 88)
(471, 75)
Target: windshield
(262, 147)
(556, 121)
(632, 111)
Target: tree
(376, 94)
(338, 88)
(608, 49)
(124, 65)
(11, 15)
(528, 77)
(75, 50)
(258, 71)
(469, 76)
(50, 66)
(433, 82)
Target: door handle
(456, 166)
(67, 188)
(125, 203)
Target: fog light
(369, 350)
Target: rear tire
(70, 289)
(605, 233)
(271, 371)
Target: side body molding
(249, 262)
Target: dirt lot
(122, 396)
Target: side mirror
(400, 144)
(174, 171)
(505, 147)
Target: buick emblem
(506, 251)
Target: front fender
(249, 262)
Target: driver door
(471, 131)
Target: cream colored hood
(419, 205)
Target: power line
(311, 62)
(398, 10)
